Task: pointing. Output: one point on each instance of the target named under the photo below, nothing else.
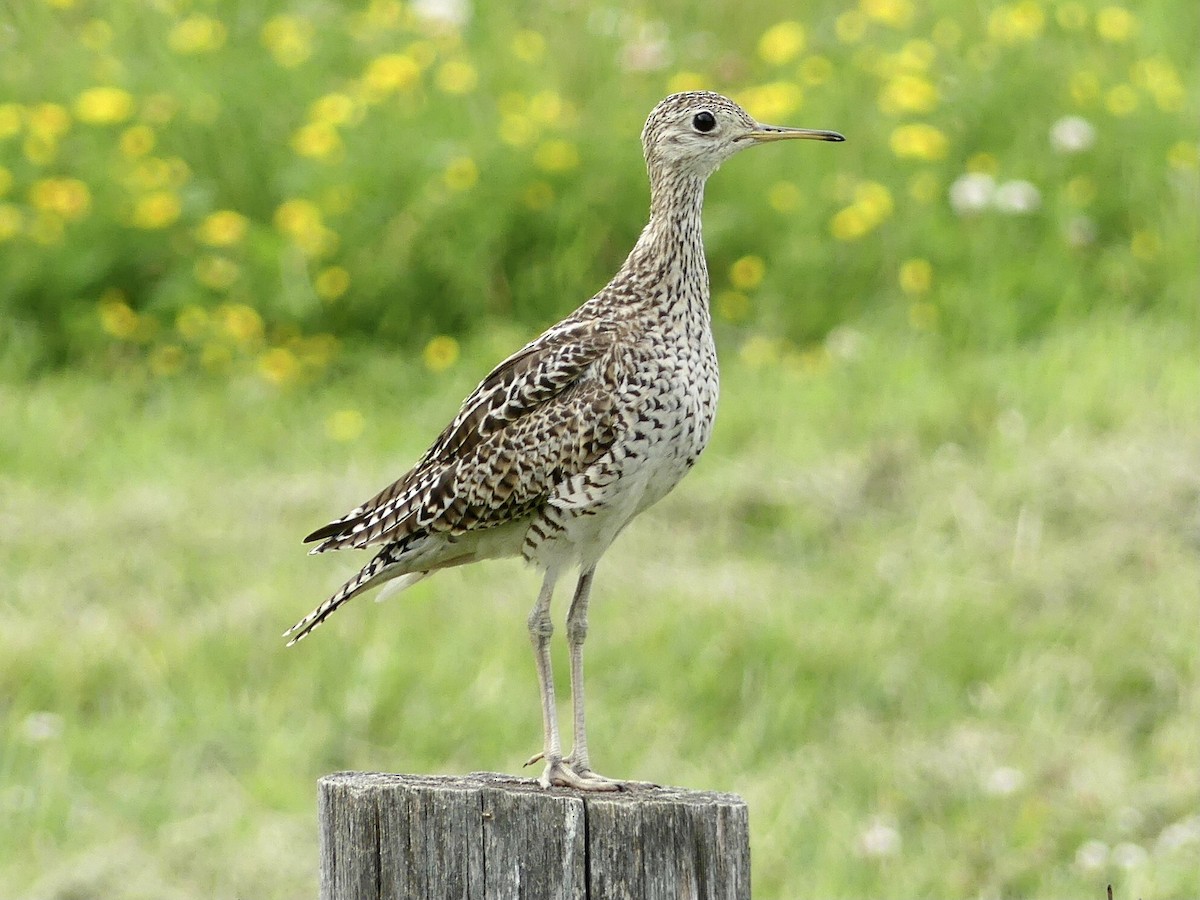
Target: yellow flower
(908, 94)
(11, 221)
(423, 53)
(1146, 245)
(440, 353)
(1071, 16)
(732, 306)
(456, 76)
(515, 130)
(772, 102)
(897, 13)
(240, 322)
(874, 199)
(137, 141)
(1016, 22)
(49, 120)
(333, 109)
(747, 273)
(288, 39)
(11, 118)
(849, 224)
(528, 46)
(316, 351)
(1115, 24)
(537, 195)
(919, 141)
(547, 107)
(301, 221)
(298, 217)
(279, 366)
(345, 425)
(759, 351)
(1084, 87)
(103, 105)
(166, 360)
(784, 196)
(191, 322)
(556, 156)
(781, 43)
(985, 163)
(117, 318)
(159, 108)
(197, 34)
(96, 34)
(331, 283)
(223, 228)
(850, 26)
(461, 174)
(216, 357)
(1081, 190)
(158, 209)
(216, 272)
(1158, 76)
(924, 187)
(922, 316)
(1183, 155)
(317, 140)
(390, 73)
(916, 276)
(816, 70)
(1121, 100)
(66, 197)
(872, 205)
(47, 228)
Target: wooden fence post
(494, 837)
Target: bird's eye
(704, 121)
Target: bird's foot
(567, 772)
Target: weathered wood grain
(494, 837)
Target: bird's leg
(562, 772)
(540, 630)
(577, 628)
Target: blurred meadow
(929, 602)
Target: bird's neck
(670, 251)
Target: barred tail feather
(379, 570)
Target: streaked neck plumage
(670, 251)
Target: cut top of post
(493, 836)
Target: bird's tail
(382, 568)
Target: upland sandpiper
(572, 436)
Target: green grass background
(929, 602)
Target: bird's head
(694, 132)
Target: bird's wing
(540, 416)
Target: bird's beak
(764, 133)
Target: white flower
(879, 839)
(1178, 835)
(453, 13)
(648, 51)
(1004, 780)
(845, 343)
(1072, 134)
(1129, 856)
(1017, 198)
(39, 727)
(1092, 855)
(972, 192)
(1081, 231)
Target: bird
(571, 437)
